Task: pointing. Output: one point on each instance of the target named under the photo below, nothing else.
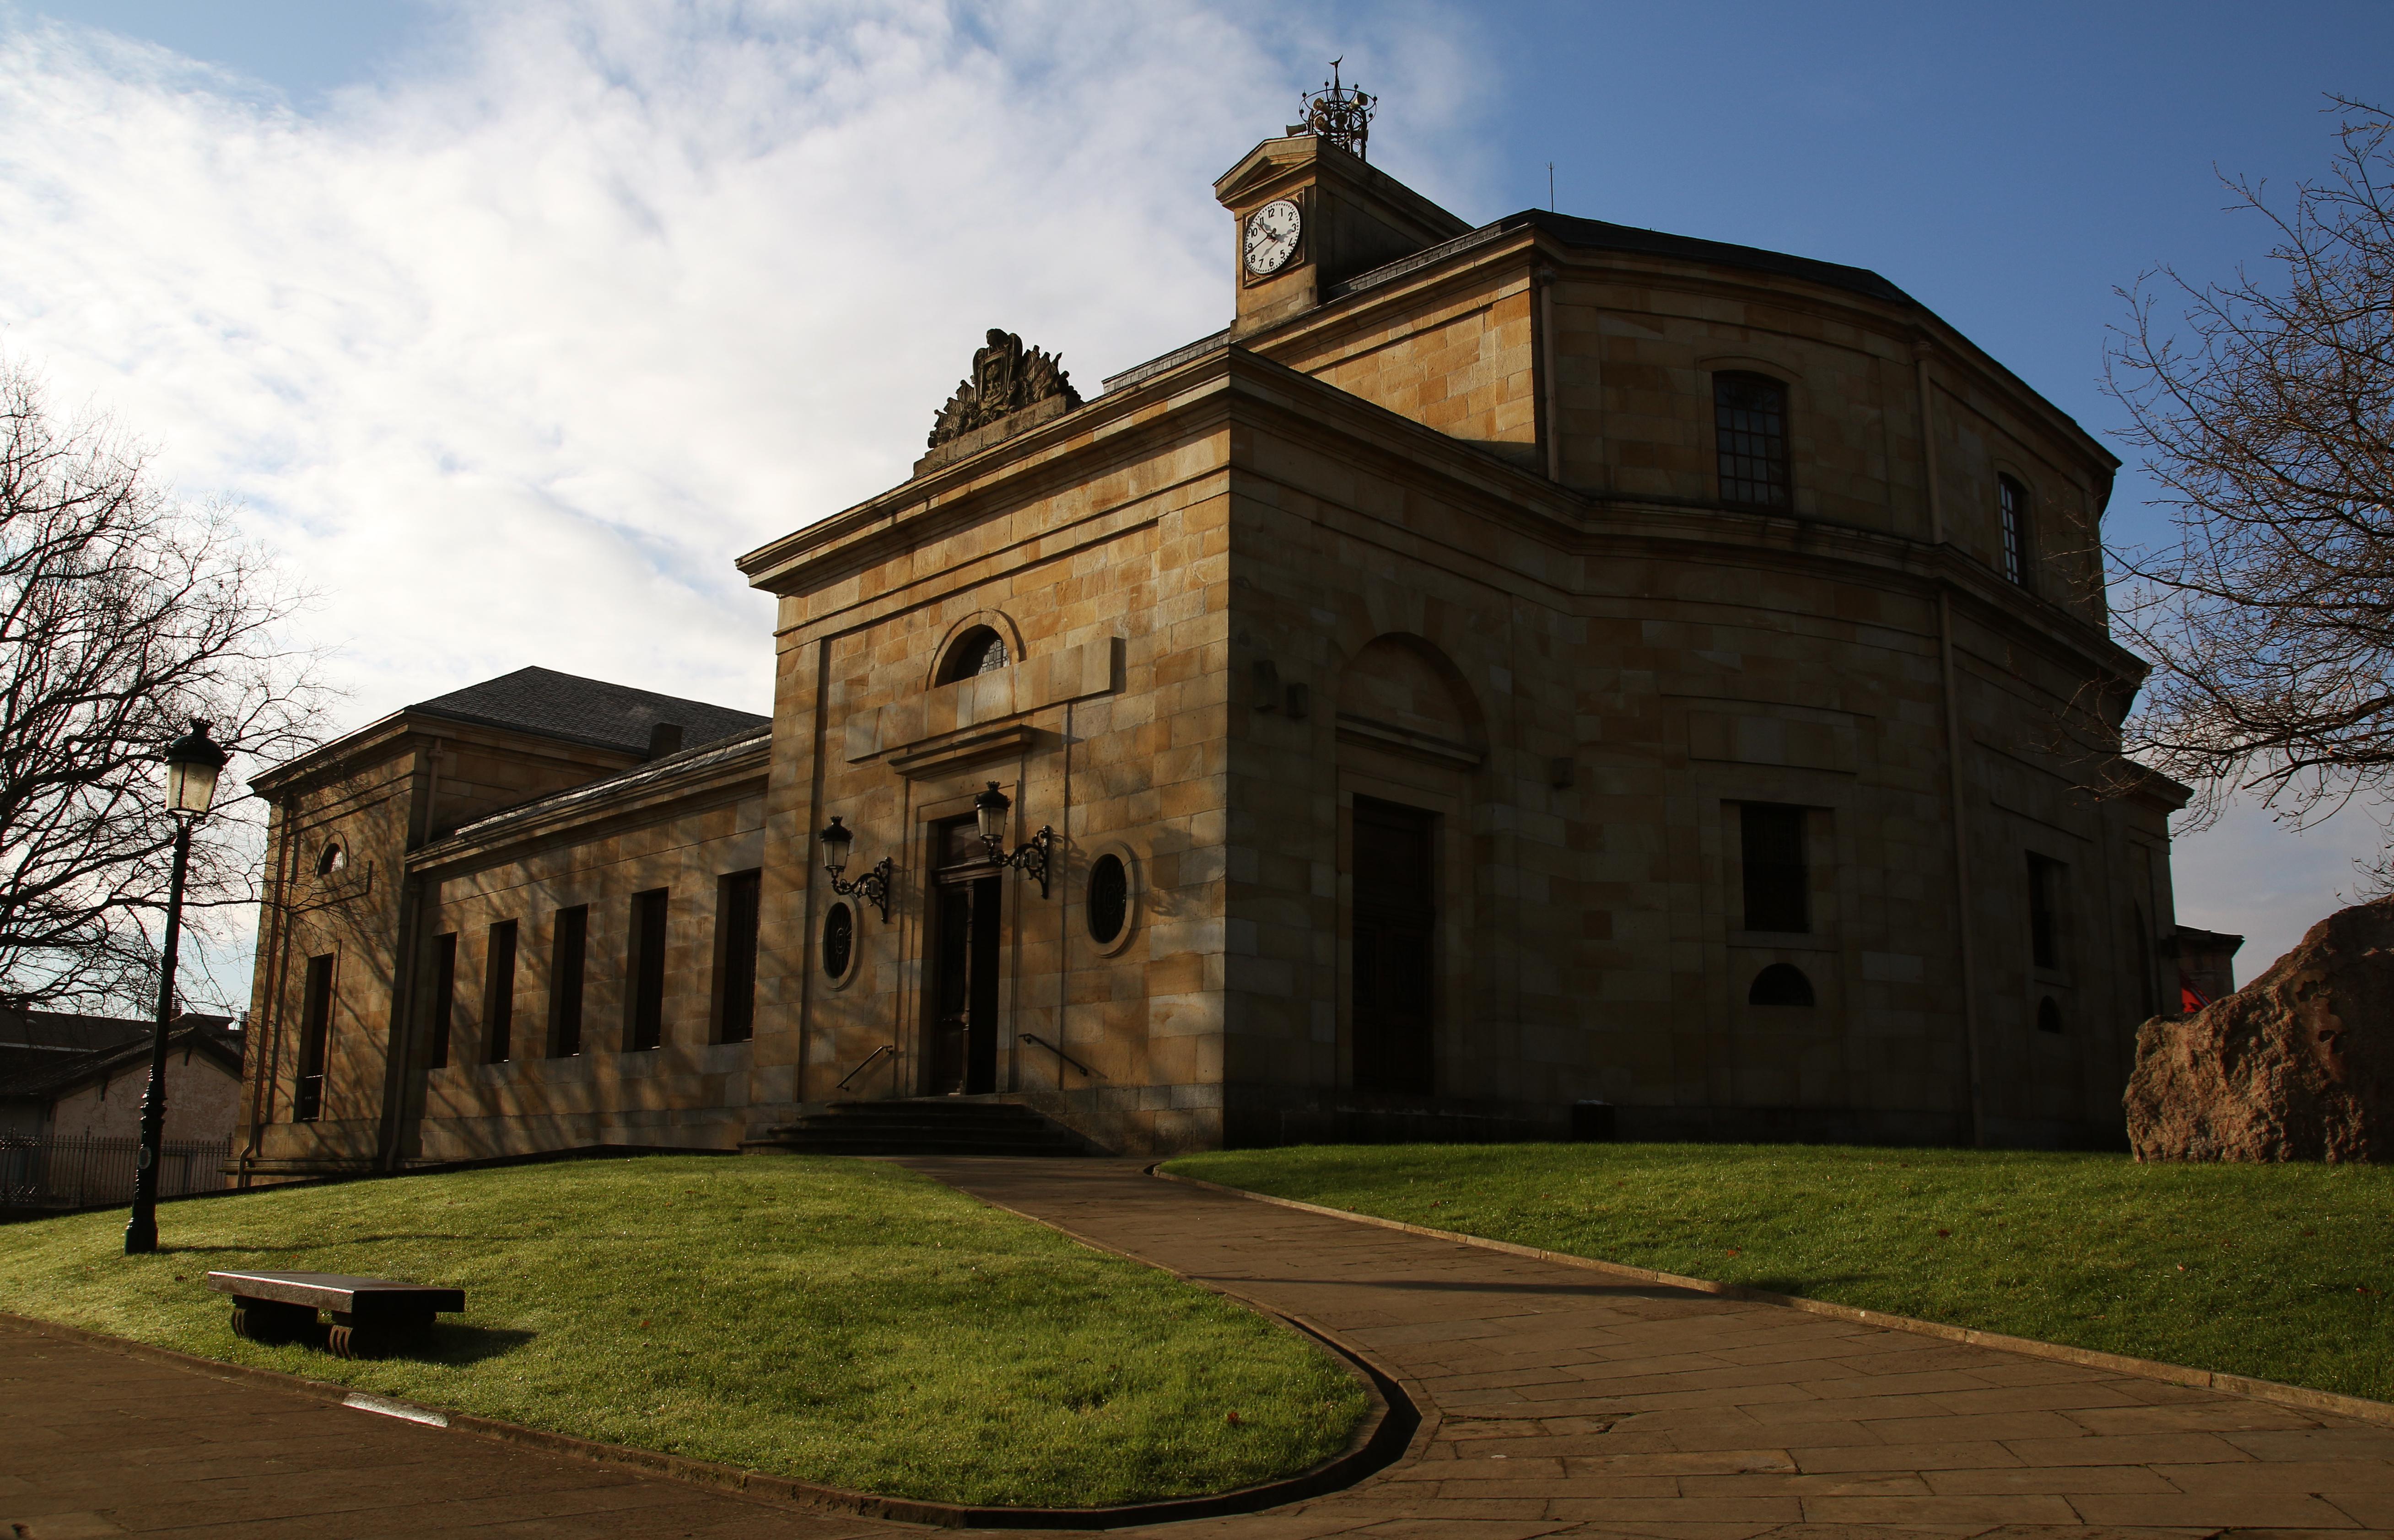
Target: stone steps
(923, 1126)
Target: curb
(1388, 1428)
(2358, 1408)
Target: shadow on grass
(459, 1346)
(336, 1241)
(455, 1346)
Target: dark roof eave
(705, 757)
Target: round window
(838, 940)
(1108, 904)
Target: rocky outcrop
(2296, 1065)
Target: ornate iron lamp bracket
(1031, 857)
(873, 887)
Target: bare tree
(2267, 407)
(122, 614)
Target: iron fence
(46, 1171)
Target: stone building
(64, 1075)
(1509, 669)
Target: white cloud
(511, 353)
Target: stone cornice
(1233, 383)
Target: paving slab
(1557, 1402)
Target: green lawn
(2275, 1271)
(835, 1321)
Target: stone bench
(370, 1315)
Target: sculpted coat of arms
(1006, 377)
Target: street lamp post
(192, 763)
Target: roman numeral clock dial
(1271, 236)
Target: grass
(835, 1321)
(2274, 1271)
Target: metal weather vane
(1340, 113)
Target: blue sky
(618, 289)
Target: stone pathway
(94, 1443)
(1555, 1403)
(1558, 1403)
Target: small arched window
(1750, 433)
(2011, 503)
(332, 859)
(2048, 1015)
(1780, 984)
(1109, 904)
(978, 651)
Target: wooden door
(962, 1058)
(1395, 940)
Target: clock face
(1271, 236)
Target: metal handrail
(1035, 1038)
(886, 1047)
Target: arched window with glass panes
(978, 651)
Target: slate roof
(1603, 235)
(585, 711)
(704, 757)
(45, 1053)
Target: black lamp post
(873, 887)
(193, 762)
(989, 811)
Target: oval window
(838, 940)
(978, 651)
(1780, 984)
(331, 861)
(1108, 904)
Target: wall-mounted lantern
(989, 808)
(873, 887)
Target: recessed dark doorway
(966, 892)
(1396, 925)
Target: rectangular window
(444, 1003)
(736, 908)
(1749, 433)
(499, 995)
(646, 966)
(2045, 911)
(315, 1038)
(2011, 498)
(1778, 886)
(567, 949)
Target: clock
(1271, 236)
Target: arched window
(2048, 1015)
(1750, 431)
(1780, 984)
(333, 859)
(2011, 501)
(978, 651)
(1108, 902)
